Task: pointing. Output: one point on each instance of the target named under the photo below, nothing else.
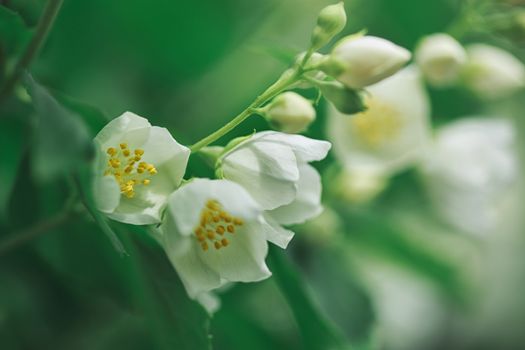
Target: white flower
(470, 171)
(358, 61)
(138, 166)
(290, 112)
(492, 72)
(391, 135)
(273, 167)
(441, 59)
(213, 233)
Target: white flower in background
(391, 135)
(273, 167)
(138, 166)
(492, 72)
(290, 112)
(213, 233)
(358, 61)
(470, 172)
(358, 186)
(441, 59)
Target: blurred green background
(191, 66)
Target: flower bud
(331, 20)
(492, 72)
(441, 58)
(358, 61)
(290, 112)
(344, 99)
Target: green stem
(284, 82)
(42, 30)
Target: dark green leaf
(11, 151)
(176, 321)
(13, 33)
(62, 141)
(92, 117)
(317, 331)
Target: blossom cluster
(216, 231)
(468, 166)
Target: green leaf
(380, 237)
(11, 152)
(62, 140)
(13, 33)
(176, 321)
(317, 331)
(94, 119)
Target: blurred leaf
(94, 119)
(62, 141)
(11, 151)
(176, 321)
(317, 332)
(13, 32)
(339, 292)
(368, 234)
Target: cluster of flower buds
(355, 62)
(488, 71)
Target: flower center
(126, 166)
(214, 224)
(377, 125)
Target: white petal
(275, 233)
(106, 193)
(258, 176)
(196, 276)
(142, 209)
(209, 301)
(115, 130)
(161, 148)
(305, 149)
(243, 259)
(307, 203)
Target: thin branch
(22, 237)
(42, 30)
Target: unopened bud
(290, 112)
(331, 20)
(358, 61)
(492, 72)
(441, 58)
(344, 99)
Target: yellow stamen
(211, 227)
(123, 166)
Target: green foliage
(62, 141)
(13, 34)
